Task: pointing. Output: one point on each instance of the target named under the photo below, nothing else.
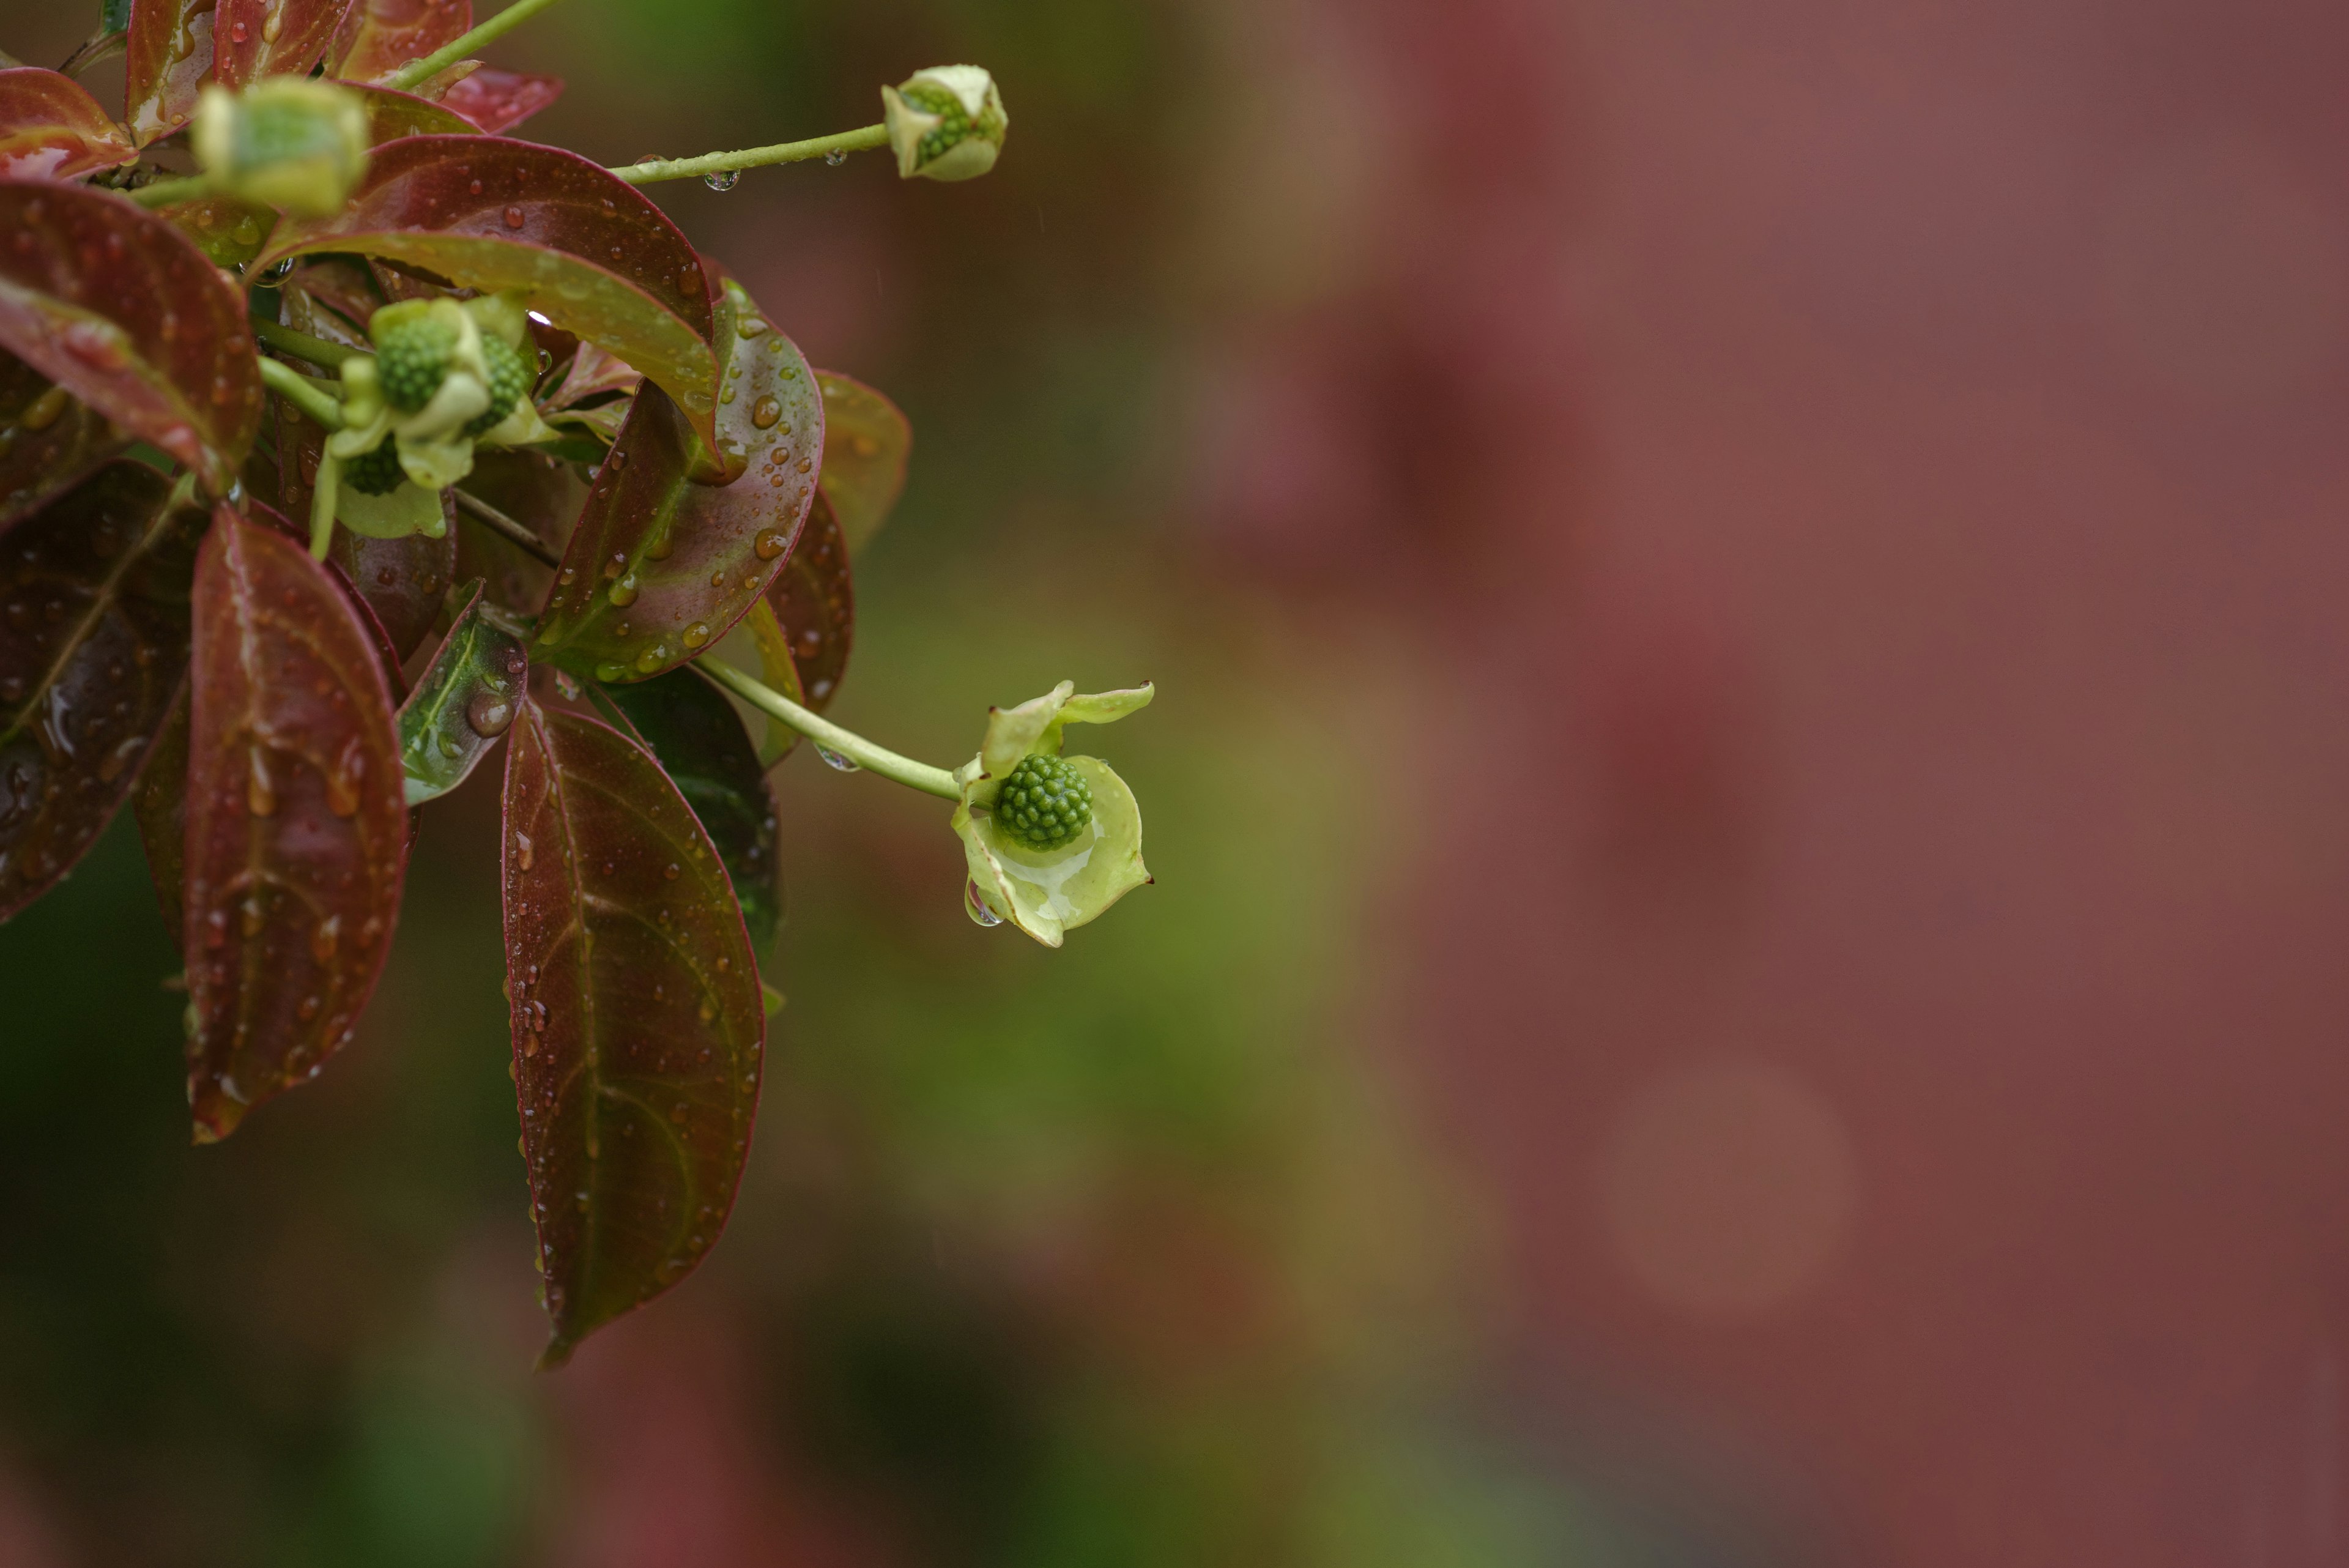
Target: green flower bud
(1050, 841)
(376, 472)
(946, 123)
(509, 378)
(285, 142)
(412, 358)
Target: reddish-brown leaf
(51, 128)
(593, 254)
(817, 605)
(168, 60)
(638, 1024)
(160, 801)
(256, 38)
(660, 565)
(392, 115)
(534, 490)
(402, 582)
(93, 647)
(116, 307)
(49, 438)
(378, 36)
(296, 831)
(495, 101)
(866, 441)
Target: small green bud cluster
(376, 472)
(1044, 804)
(411, 360)
(946, 122)
(509, 378)
(954, 122)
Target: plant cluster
(305, 362)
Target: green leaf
(463, 701)
(113, 16)
(660, 564)
(637, 1020)
(296, 827)
(690, 728)
(116, 306)
(867, 444)
(93, 649)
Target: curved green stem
(824, 733)
(654, 169)
(302, 346)
(163, 192)
(311, 397)
(440, 59)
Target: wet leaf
(758, 642)
(392, 115)
(256, 38)
(637, 1016)
(462, 702)
(691, 729)
(167, 60)
(596, 255)
(495, 101)
(116, 306)
(93, 647)
(593, 373)
(51, 128)
(331, 297)
(229, 231)
(534, 490)
(160, 801)
(378, 36)
(816, 605)
(867, 442)
(297, 829)
(402, 582)
(660, 566)
(49, 438)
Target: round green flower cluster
(1044, 804)
(377, 472)
(411, 360)
(954, 119)
(509, 379)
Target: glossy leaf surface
(120, 309)
(392, 115)
(256, 38)
(297, 828)
(166, 59)
(462, 702)
(51, 128)
(637, 1016)
(691, 729)
(816, 605)
(660, 566)
(866, 444)
(93, 647)
(378, 36)
(229, 231)
(495, 101)
(402, 582)
(160, 801)
(49, 438)
(595, 256)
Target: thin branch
(513, 531)
(302, 346)
(844, 141)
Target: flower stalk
(863, 139)
(497, 27)
(831, 736)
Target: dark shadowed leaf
(402, 582)
(637, 1024)
(660, 566)
(495, 101)
(816, 605)
(378, 36)
(297, 830)
(690, 728)
(49, 438)
(116, 306)
(534, 490)
(392, 115)
(160, 801)
(51, 128)
(256, 38)
(462, 702)
(867, 442)
(595, 255)
(333, 297)
(168, 59)
(93, 647)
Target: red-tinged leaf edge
(378, 36)
(296, 832)
(49, 439)
(659, 567)
(167, 58)
(637, 1020)
(495, 101)
(51, 128)
(815, 603)
(867, 441)
(117, 306)
(93, 649)
(256, 38)
(593, 254)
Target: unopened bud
(288, 143)
(946, 123)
